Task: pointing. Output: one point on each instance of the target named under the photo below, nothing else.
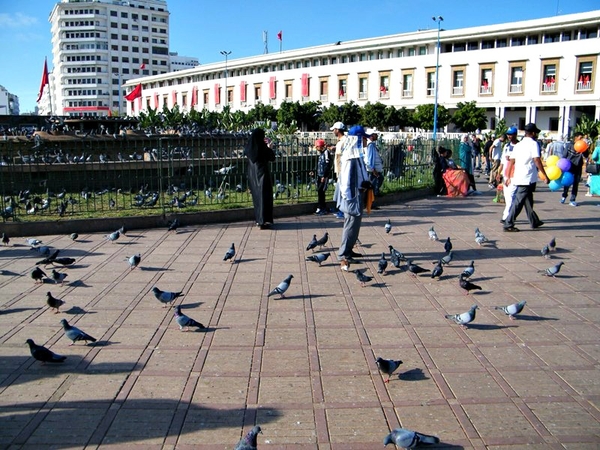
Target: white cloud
(17, 20)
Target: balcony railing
(407, 93)
(384, 95)
(362, 95)
(457, 90)
(485, 90)
(548, 87)
(584, 85)
(516, 89)
(343, 97)
(430, 92)
(323, 97)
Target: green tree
(261, 114)
(287, 113)
(588, 126)
(423, 116)
(374, 115)
(501, 127)
(350, 114)
(468, 117)
(330, 115)
(309, 116)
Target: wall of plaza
(543, 71)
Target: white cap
(371, 131)
(338, 126)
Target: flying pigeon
(388, 226)
(173, 225)
(230, 253)
(415, 269)
(42, 354)
(469, 271)
(5, 239)
(438, 270)
(75, 334)
(467, 285)
(546, 251)
(32, 242)
(512, 310)
(58, 277)
(38, 275)
(432, 234)
(248, 442)
(446, 259)
(312, 244)
(362, 278)
(73, 236)
(113, 236)
(282, 287)
(552, 244)
(464, 318)
(388, 366)
(54, 303)
(448, 245)
(185, 322)
(318, 258)
(322, 241)
(552, 271)
(134, 260)
(382, 264)
(63, 261)
(408, 439)
(165, 296)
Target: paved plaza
(303, 366)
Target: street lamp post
(226, 54)
(438, 20)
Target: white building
(543, 70)
(98, 45)
(9, 103)
(177, 62)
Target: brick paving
(303, 367)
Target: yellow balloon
(551, 161)
(553, 172)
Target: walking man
(576, 169)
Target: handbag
(592, 169)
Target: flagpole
(50, 94)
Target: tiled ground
(303, 367)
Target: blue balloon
(555, 185)
(567, 179)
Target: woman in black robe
(259, 178)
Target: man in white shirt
(523, 168)
(496, 157)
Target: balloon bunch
(557, 170)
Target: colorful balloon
(567, 179)
(552, 160)
(563, 164)
(580, 146)
(553, 172)
(554, 185)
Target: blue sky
(204, 28)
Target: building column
(530, 114)
(597, 113)
(564, 119)
(500, 112)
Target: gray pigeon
(467, 285)
(322, 241)
(312, 244)
(113, 236)
(415, 269)
(446, 259)
(552, 271)
(75, 334)
(282, 287)
(438, 270)
(54, 303)
(388, 366)
(388, 226)
(318, 258)
(248, 442)
(73, 236)
(382, 264)
(464, 318)
(173, 225)
(480, 237)
(32, 242)
(58, 277)
(63, 261)
(184, 321)
(512, 310)
(432, 234)
(5, 239)
(469, 271)
(38, 275)
(134, 260)
(546, 251)
(42, 354)
(165, 296)
(408, 438)
(448, 245)
(552, 244)
(396, 257)
(362, 278)
(230, 253)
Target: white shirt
(508, 148)
(497, 149)
(523, 155)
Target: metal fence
(85, 177)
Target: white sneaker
(573, 204)
(344, 265)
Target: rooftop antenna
(265, 35)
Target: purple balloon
(567, 179)
(564, 164)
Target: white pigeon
(408, 439)
(432, 234)
(464, 318)
(480, 237)
(282, 287)
(388, 226)
(32, 242)
(512, 310)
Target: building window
(400, 53)
(485, 44)
(589, 33)
(486, 81)
(551, 37)
(532, 40)
(473, 45)
(288, 91)
(430, 82)
(363, 85)
(517, 41)
(458, 81)
(516, 78)
(459, 47)
(422, 50)
(549, 76)
(566, 36)
(342, 87)
(257, 93)
(500, 43)
(407, 84)
(205, 96)
(384, 85)
(411, 52)
(585, 74)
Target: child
(324, 163)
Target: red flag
(136, 93)
(142, 66)
(280, 35)
(44, 79)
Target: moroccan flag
(136, 93)
(142, 66)
(44, 79)
(280, 35)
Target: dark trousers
(376, 181)
(321, 190)
(576, 171)
(523, 198)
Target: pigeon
(467, 285)
(123, 230)
(322, 241)
(43, 250)
(408, 439)
(388, 366)
(32, 242)
(185, 322)
(552, 244)
(362, 278)
(173, 225)
(546, 251)
(5, 239)
(318, 258)
(464, 318)
(382, 264)
(312, 244)
(282, 287)
(63, 261)
(54, 303)
(43, 354)
(134, 260)
(552, 271)
(49, 259)
(415, 269)
(113, 236)
(58, 277)
(438, 270)
(75, 334)
(73, 236)
(512, 310)
(230, 253)
(396, 257)
(38, 275)
(448, 245)
(446, 259)
(388, 226)
(469, 271)
(432, 234)
(165, 296)
(248, 442)
(480, 239)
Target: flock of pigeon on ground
(402, 438)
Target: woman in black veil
(259, 178)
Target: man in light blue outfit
(373, 161)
